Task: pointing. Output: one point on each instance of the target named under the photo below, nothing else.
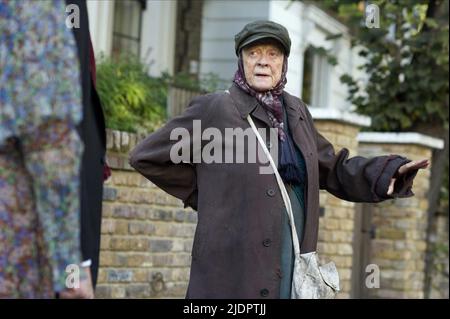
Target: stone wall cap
(401, 138)
(340, 116)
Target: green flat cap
(258, 30)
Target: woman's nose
(263, 61)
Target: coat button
(271, 192)
(264, 292)
(269, 145)
(267, 242)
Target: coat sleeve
(153, 157)
(360, 179)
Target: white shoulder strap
(283, 190)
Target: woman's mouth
(261, 75)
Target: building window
(127, 27)
(316, 73)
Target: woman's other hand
(414, 165)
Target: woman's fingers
(391, 186)
(413, 165)
(420, 164)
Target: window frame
(120, 35)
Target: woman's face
(263, 64)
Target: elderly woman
(243, 246)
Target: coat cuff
(403, 184)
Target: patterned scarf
(271, 101)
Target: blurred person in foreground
(40, 154)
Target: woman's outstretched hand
(421, 164)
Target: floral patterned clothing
(40, 150)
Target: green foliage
(132, 100)
(406, 64)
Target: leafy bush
(135, 102)
(132, 100)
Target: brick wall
(440, 271)
(146, 234)
(399, 246)
(337, 223)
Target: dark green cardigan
(296, 196)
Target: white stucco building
(154, 24)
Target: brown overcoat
(236, 250)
